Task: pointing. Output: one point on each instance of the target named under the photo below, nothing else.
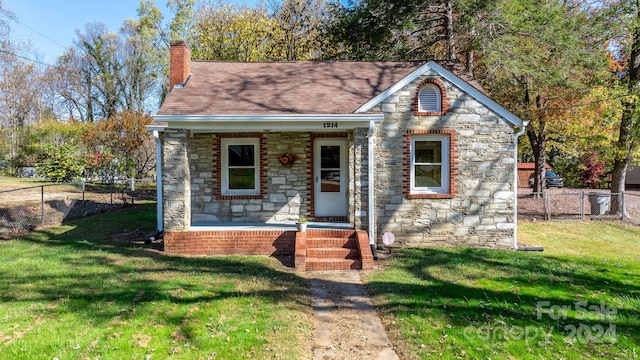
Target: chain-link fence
(579, 205)
(25, 209)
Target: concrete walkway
(346, 325)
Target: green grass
(92, 289)
(10, 182)
(500, 304)
(86, 290)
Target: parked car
(551, 180)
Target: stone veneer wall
(287, 192)
(479, 214)
(481, 211)
(176, 177)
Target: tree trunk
(538, 140)
(625, 147)
(629, 125)
(451, 45)
(537, 135)
(471, 53)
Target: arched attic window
(430, 99)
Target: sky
(51, 25)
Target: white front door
(330, 176)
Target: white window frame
(438, 99)
(225, 143)
(445, 142)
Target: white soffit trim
(285, 122)
(457, 81)
(159, 128)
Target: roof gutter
(266, 123)
(515, 183)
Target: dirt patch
(22, 212)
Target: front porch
(324, 246)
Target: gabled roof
(455, 73)
(305, 88)
(282, 87)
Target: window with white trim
(429, 99)
(240, 166)
(430, 164)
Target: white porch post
(159, 204)
(370, 185)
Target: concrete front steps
(333, 250)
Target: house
(525, 170)
(359, 148)
(632, 179)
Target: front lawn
(85, 290)
(92, 289)
(578, 299)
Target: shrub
(591, 169)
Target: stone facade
(176, 180)
(287, 193)
(478, 211)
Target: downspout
(515, 184)
(371, 189)
(159, 204)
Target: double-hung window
(430, 164)
(240, 166)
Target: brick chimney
(179, 63)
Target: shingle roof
(287, 87)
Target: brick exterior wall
(180, 63)
(230, 242)
(445, 101)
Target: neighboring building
(358, 148)
(525, 170)
(632, 179)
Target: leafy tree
(101, 50)
(626, 40)
(591, 169)
(72, 80)
(229, 33)
(182, 23)
(300, 26)
(21, 89)
(537, 57)
(101, 166)
(5, 29)
(61, 163)
(124, 137)
(20, 98)
(53, 148)
(406, 29)
(143, 66)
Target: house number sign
(330, 125)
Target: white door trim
(330, 182)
